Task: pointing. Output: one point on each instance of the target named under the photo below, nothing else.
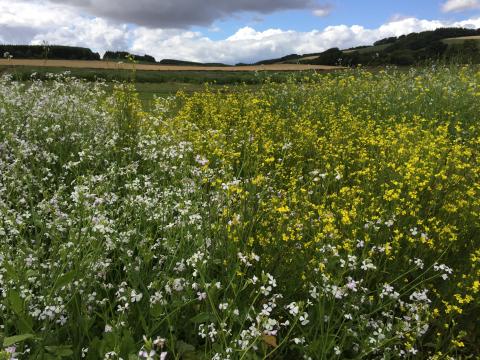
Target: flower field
(331, 217)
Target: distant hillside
(447, 44)
(279, 60)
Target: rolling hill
(446, 44)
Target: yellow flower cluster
(388, 159)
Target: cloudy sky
(227, 31)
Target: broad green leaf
(9, 341)
(61, 351)
(183, 347)
(156, 310)
(201, 318)
(16, 302)
(65, 279)
(11, 273)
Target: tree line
(59, 52)
(56, 52)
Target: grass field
(461, 39)
(335, 216)
(111, 65)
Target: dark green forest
(56, 52)
(124, 56)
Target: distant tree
(385, 41)
(331, 56)
(123, 55)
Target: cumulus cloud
(460, 5)
(181, 13)
(27, 22)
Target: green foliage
(124, 56)
(55, 52)
(388, 40)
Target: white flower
(293, 308)
(150, 355)
(201, 295)
(304, 319)
(313, 292)
(299, 340)
(201, 160)
(84, 352)
(367, 265)
(352, 285)
(134, 297)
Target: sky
(228, 31)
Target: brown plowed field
(125, 66)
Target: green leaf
(24, 322)
(61, 351)
(9, 341)
(201, 318)
(156, 310)
(127, 343)
(184, 348)
(16, 302)
(11, 273)
(64, 279)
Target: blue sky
(227, 31)
(371, 14)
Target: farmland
(335, 216)
(113, 65)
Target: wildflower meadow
(330, 216)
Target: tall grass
(332, 218)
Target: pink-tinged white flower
(147, 355)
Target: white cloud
(27, 22)
(322, 11)
(460, 5)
